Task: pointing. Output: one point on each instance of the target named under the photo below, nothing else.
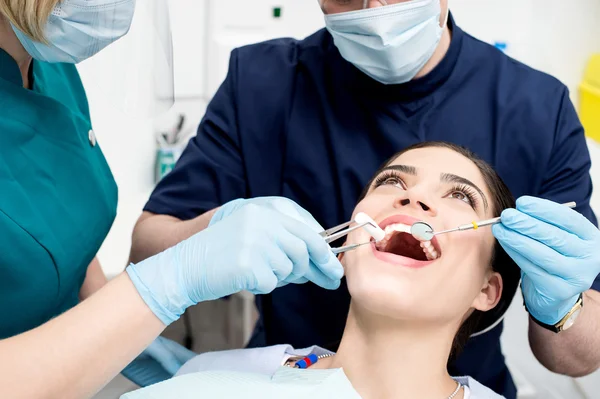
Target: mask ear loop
(447, 14)
(490, 328)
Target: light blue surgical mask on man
(78, 29)
(391, 43)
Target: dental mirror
(422, 231)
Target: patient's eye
(465, 194)
(390, 178)
(460, 196)
(394, 181)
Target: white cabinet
(206, 31)
(188, 25)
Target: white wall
(555, 36)
(118, 86)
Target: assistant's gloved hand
(159, 362)
(254, 249)
(557, 251)
(284, 206)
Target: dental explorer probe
(424, 232)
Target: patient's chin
(384, 296)
(435, 295)
(405, 297)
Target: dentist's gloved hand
(557, 251)
(159, 362)
(254, 249)
(283, 206)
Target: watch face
(571, 320)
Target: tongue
(404, 244)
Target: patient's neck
(385, 358)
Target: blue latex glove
(557, 251)
(159, 362)
(280, 204)
(286, 207)
(254, 249)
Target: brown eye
(390, 178)
(461, 196)
(393, 181)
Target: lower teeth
(429, 251)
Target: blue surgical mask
(392, 43)
(78, 29)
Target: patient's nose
(420, 204)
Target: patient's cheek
(475, 240)
(474, 249)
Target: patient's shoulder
(256, 360)
(477, 390)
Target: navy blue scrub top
(294, 119)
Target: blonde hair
(29, 16)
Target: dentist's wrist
(226, 210)
(552, 315)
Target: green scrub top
(58, 197)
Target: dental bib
(286, 383)
(258, 373)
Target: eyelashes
(468, 192)
(461, 192)
(389, 177)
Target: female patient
(413, 304)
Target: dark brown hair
(501, 199)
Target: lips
(400, 247)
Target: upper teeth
(427, 246)
(390, 228)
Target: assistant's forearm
(156, 233)
(75, 354)
(576, 351)
(95, 279)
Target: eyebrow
(444, 177)
(409, 170)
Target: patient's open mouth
(398, 241)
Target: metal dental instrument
(362, 220)
(347, 248)
(424, 232)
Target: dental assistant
(65, 331)
(312, 119)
